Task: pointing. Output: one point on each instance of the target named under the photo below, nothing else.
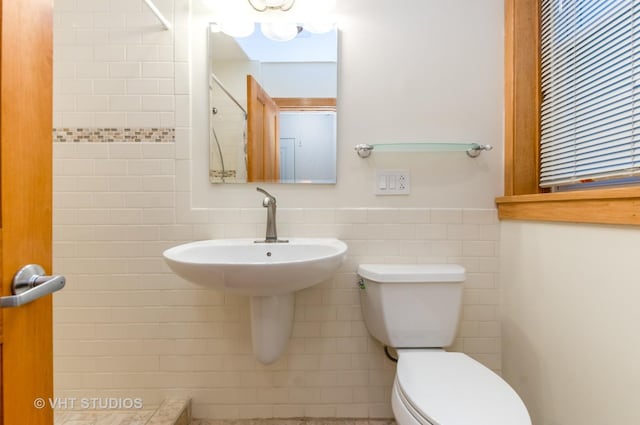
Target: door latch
(29, 284)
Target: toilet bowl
(415, 309)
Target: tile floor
(177, 412)
(170, 412)
(295, 421)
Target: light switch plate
(392, 182)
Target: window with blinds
(590, 112)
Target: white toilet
(415, 309)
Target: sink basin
(243, 266)
(269, 273)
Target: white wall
(126, 326)
(310, 79)
(420, 71)
(569, 321)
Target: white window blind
(590, 112)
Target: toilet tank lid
(388, 273)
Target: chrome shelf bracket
(364, 150)
(475, 151)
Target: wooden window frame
(523, 199)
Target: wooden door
(263, 135)
(25, 205)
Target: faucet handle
(267, 194)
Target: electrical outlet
(392, 182)
(403, 182)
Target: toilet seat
(440, 388)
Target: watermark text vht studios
(89, 403)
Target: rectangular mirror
(272, 107)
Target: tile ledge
(172, 412)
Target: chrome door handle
(29, 284)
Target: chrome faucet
(269, 202)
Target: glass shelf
(472, 149)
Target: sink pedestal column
(271, 325)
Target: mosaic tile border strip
(114, 135)
(219, 174)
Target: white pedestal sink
(269, 273)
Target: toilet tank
(412, 305)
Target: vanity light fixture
(275, 23)
(280, 31)
(265, 5)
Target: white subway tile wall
(125, 326)
(115, 66)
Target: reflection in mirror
(272, 108)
